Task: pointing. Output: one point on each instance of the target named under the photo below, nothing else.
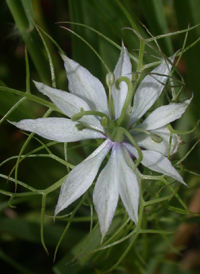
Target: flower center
(117, 130)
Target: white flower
(124, 133)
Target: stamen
(80, 126)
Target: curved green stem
(128, 100)
(154, 137)
(183, 132)
(82, 113)
(132, 140)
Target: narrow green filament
(128, 100)
(156, 138)
(132, 140)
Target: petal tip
(57, 210)
(123, 46)
(64, 57)
(183, 182)
(12, 123)
(38, 85)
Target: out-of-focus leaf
(193, 220)
(188, 13)
(30, 231)
(153, 11)
(30, 38)
(7, 100)
(15, 264)
(81, 263)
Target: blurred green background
(21, 250)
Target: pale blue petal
(106, 193)
(57, 129)
(81, 177)
(164, 115)
(145, 141)
(156, 162)
(149, 90)
(83, 84)
(68, 103)
(123, 68)
(128, 185)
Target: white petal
(106, 193)
(156, 162)
(128, 186)
(57, 129)
(81, 177)
(68, 103)
(123, 68)
(145, 141)
(164, 115)
(149, 90)
(83, 84)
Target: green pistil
(110, 79)
(117, 135)
(124, 117)
(156, 138)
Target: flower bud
(110, 79)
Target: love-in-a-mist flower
(119, 121)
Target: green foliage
(32, 170)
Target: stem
(141, 54)
(31, 97)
